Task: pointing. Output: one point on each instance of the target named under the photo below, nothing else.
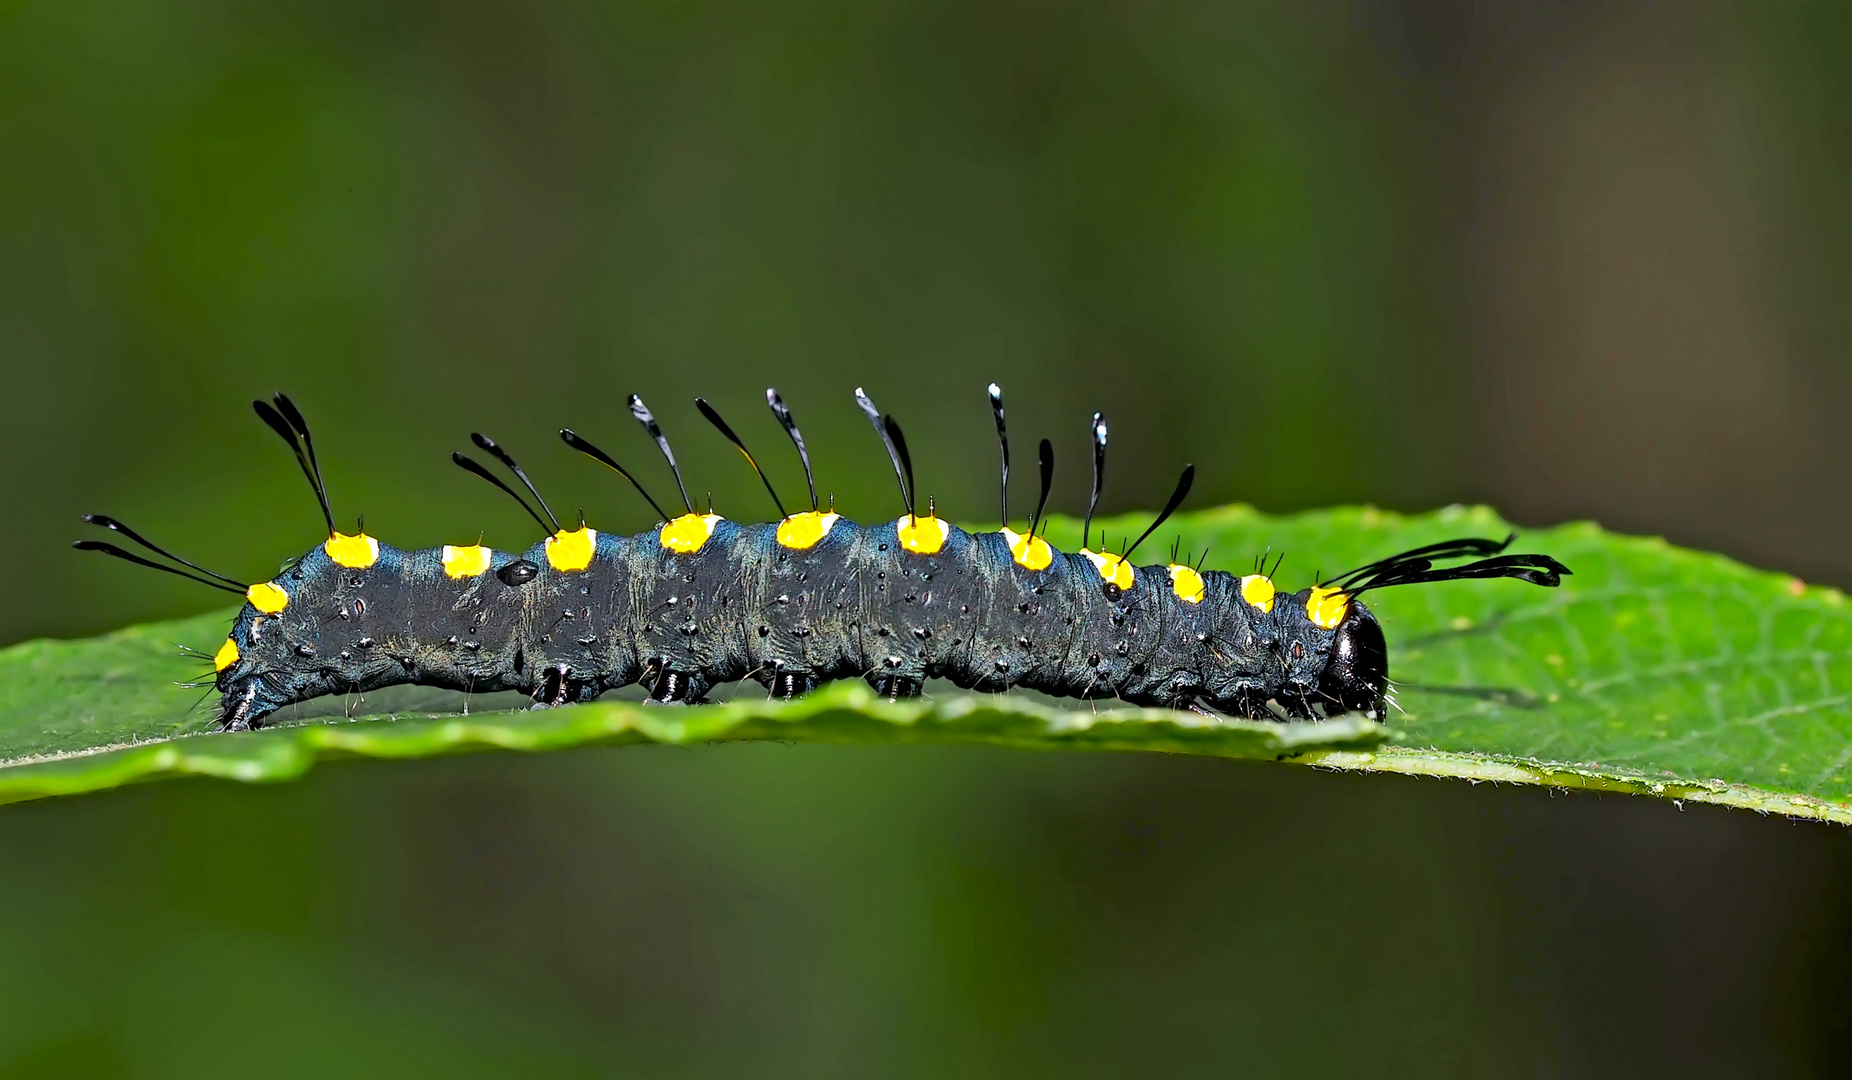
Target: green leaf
(1653, 670)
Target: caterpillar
(701, 601)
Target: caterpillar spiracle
(700, 601)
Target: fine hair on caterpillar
(701, 601)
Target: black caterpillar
(700, 601)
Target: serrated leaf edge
(1493, 768)
(850, 714)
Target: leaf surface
(1653, 670)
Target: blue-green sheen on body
(855, 605)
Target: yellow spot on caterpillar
(466, 562)
(1112, 568)
(570, 551)
(1258, 590)
(354, 552)
(267, 598)
(688, 534)
(1030, 552)
(1186, 583)
(228, 655)
(1327, 607)
(923, 534)
(801, 532)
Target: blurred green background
(1577, 258)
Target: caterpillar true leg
(790, 684)
(895, 687)
(676, 688)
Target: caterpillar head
(268, 658)
(1356, 671)
(323, 626)
(245, 701)
(253, 674)
(1355, 660)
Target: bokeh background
(1575, 258)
